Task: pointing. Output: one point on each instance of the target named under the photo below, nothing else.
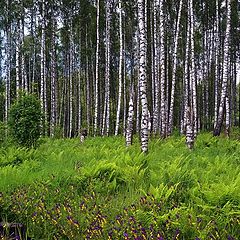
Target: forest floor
(101, 190)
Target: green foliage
(25, 120)
(101, 190)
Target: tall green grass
(200, 184)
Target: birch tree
(96, 97)
(142, 76)
(106, 113)
(218, 124)
(43, 65)
(8, 67)
(53, 77)
(172, 96)
(129, 129)
(120, 68)
(192, 71)
(17, 60)
(163, 109)
(156, 69)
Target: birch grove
(144, 67)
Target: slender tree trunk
(172, 97)
(23, 67)
(43, 65)
(228, 118)
(163, 109)
(97, 74)
(120, 69)
(192, 72)
(142, 76)
(186, 81)
(124, 87)
(106, 114)
(79, 104)
(156, 70)
(53, 80)
(216, 79)
(218, 126)
(71, 47)
(33, 29)
(88, 105)
(8, 69)
(17, 60)
(129, 129)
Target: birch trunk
(142, 76)
(8, 69)
(97, 73)
(172, 97)
(219, 122)
(186, 81)
(192, 72)
(53, 80)
(79, 91)
(129, 129)
(216, 79)
(43, 65)
(23, 68)
(17, 61)
(106, 114)
(163, 109)
(120, 69)
(156, 70)
(71, 82)
(88, 106)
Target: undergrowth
(101, 190)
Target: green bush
(25, 120)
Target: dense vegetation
(25, 120)
(101, 190)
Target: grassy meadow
(101, 190)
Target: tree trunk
(97, 74)
(142, 76)
(172, 97)
(129, 129)
(43, 66)
(120, 69)
(106, 114)
(219, 123)
(17, 60)
(53, 79)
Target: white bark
(129, 129)
(189, 129)
(185, 82)
(53, 80)
(88, 107)
(120, 69)
(106, 112)
(43, 63)
(218, 126)
(8, 71)
(192, 71)
(216, 79)
(71, 82)
(17, 60)
(97, 73)
(79, 89)
(156, 70)
(142, 76)
(23, 68)
(170, 120)
(163, 109)
(228, 119)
